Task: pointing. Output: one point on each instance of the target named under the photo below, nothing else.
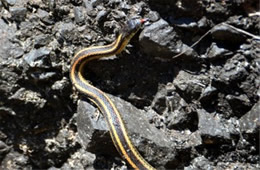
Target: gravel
(186, 106)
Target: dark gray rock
(15, 160)
(208, 94)
(90, 128)
(186, 140)
(95, 3)
(234, 70)
(216, 52)
(200, 163)
(38, 129)
(213, 128)
(28, 97)
(18, 13)
(77, 2)
(79, 160)
(42, 40)
(153, 16)
(179, 8)
(123, 5)
(8, 49)
(187, 23)
(42, 14)
(101, 15)
(203, 22)
(204, 163)
(190, 86)
(51, 4)
(65, 32)
(251, 83)
(88, 5)
(226, 34)
(7, 31)
(26, 29)
(239, 104)
(9, 74)
(216, 8)
(175, 111)
(192, 140)
(42, 76)
(151, 142)
(6, 110)
(159, 102)
(4, 149)
(178, 113)
(160, 40)
(79, 15)
(10, 2)
(241, 22)
(38, 58)
(177, 118)
(119, 15)
(237, 165)
(250, 122)
(61, 85)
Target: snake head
(132, 26)
(135, 24)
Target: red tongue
(143, 20)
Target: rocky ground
(187, 106)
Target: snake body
(116, 124)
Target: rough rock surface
(155, 145)
(186, 106)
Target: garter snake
(116, 124)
